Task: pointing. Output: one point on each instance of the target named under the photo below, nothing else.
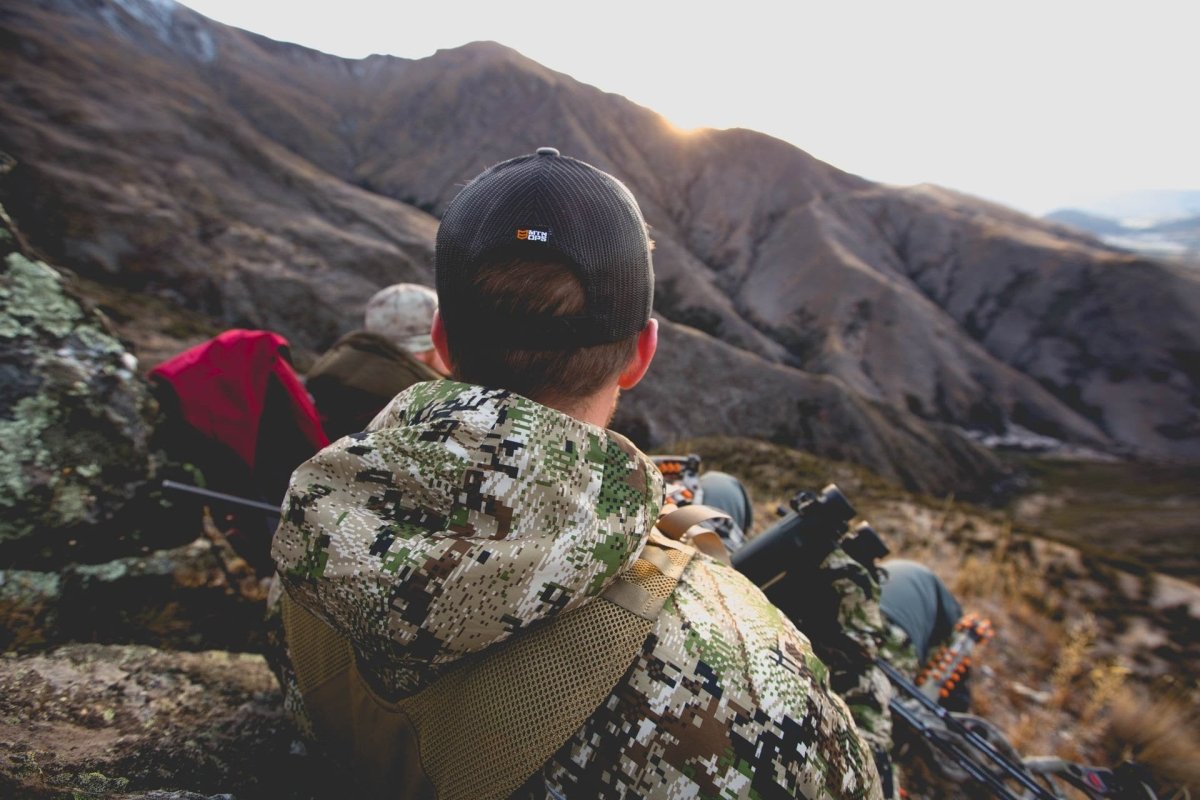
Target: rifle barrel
(221, 497)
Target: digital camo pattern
(459, 517)
(848, 641)
(465, 514)
(725, 700)
(898, 650)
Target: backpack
(482, 729)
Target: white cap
(403, 312)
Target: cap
(539, 205)
(403, 312)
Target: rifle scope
(799, 541)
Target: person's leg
(915, 598)
(725, 493)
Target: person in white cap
(403, 312)
(365, 369)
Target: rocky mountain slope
(132, 642)
(269, 185)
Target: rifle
(1128, 781)
(221, 497)
(804, 538)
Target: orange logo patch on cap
(531, 235)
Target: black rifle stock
(797, 543)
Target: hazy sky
(1034, 104)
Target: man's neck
(598, 409)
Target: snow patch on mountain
(171, 23)
(1017, 437)
(154, 14)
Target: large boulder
(198, 596)
(89, 720)
(74, 414)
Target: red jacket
(222, 387)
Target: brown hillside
(270, 185)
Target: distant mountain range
(1148, 205)
(269, 185)
(1161, 223)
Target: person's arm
(848, 641)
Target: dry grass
(1108, 682)
(1161, 733)
(1136, 515)
(1049, 688)
(1073, 658)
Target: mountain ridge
(276, 186)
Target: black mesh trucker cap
(543, 205)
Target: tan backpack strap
(676, 523)
(682, 524)
(644, 587)
(349, 720)
(482, 729)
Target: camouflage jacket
(463, 515)
(848, 634)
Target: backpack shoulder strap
(683, 524)
(483, 728)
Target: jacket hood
(462, 515)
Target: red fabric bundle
(222, 388)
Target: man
(477, 516)
(365, 369)
(403, 312)
(836, 604)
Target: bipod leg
(1018, 773)
(963, 759)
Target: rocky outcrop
(89, 720)
(74, 415)
(195, 597)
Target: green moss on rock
(74, 416)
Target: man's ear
(437, 332)
(647, 346)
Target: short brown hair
(520, 287)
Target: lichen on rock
(34, 300)
(74, 415)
